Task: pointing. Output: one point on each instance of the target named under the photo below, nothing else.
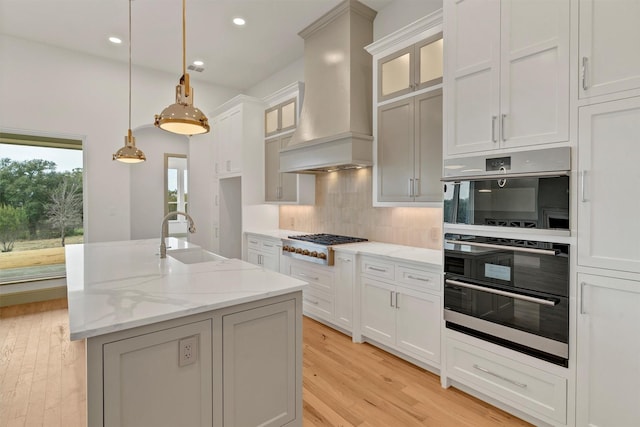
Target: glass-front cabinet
(410, 69)
(280, 118)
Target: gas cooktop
(316, 248)
(327, 239)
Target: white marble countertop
(397, 252)
(115, 286)
(276, 233)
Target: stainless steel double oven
(510, 291)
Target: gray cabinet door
(428, 147)
(272, 169)
(288, 181)
(260, 366)
(396, 136)
(147, 384)
(410, 149)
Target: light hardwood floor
(42, 377)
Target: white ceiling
(233, 57)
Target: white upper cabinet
(237, 134)
(608, 203)
(609, 40)
(506, 73)
(230, 147)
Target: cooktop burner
(327, 239)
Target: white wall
(291, 73)
(63, 93)
(401, 13)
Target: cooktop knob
(314, 254)
(298, 250)
(305, 252)
(322, 255)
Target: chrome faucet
(165, 230)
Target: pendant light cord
(184, 38)
(130, 66)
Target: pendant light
(182, 117)
(129, 153)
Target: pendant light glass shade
(182, 117)
(129, 153)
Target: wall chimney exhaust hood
(335, 128)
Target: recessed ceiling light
(239, 21)
(198, 63)
(115, 40)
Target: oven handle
(540, 301)
(493, 176)
(553, 252)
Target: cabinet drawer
(314, 302)
(318, 279)
(378, 268)
(530, 389)
(417, 279)
(253, 243)
(271, 247)
(264, 245)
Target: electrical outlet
(188, 350)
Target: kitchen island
(192, 339)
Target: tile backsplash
(344, 206)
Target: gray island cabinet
(204, 341)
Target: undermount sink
(194, 256)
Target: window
(176, 194)
(40, 205)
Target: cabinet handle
(217, 200)
(267, 245)
(582, 285)
(391, 298)
(486, 371)
(253, 241)
(382, 270)
(416, 187)
(307, 276)
(410, 187)
(411, 276)
(502, 133)
(493, 128)
(344, 259)
(585, 60)
(311, 301)
(583, 176)
(397, 305)
(260, 260)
